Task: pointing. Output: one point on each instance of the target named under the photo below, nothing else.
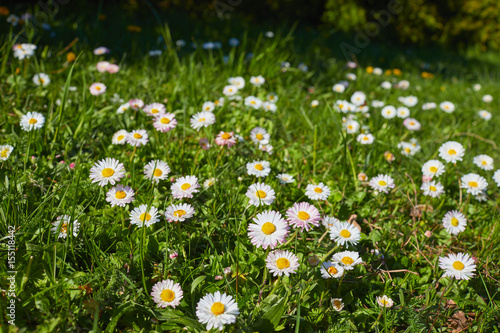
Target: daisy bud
(428, 233)
(362, 177)
(72, 166)
(218, 277)
(173, 255)
(313, 260)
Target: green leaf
(196, 282)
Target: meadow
(255, 184)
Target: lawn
(319, 194)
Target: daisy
(362, 177)
(403, 84)
(269, 106)
(41, 79)
(208, 182)
(31, 121)
(351, 126)
(97, 88)
(348, 259)
(165, 122)
(454, 222)
(156, 170)
(459, 266)
(101, 50)
(107, 171)
(258, 168)
(267, 148)
(314, 103)
(5, 151)
(260, 194)
(138, 138)
(358, 98)
(365, 139)
(120, 195)
(389, 112)
(339, 88)
(429, 106)
(282, 263)
(238, 82)
(217, 310)
(386, 85)
(230, 90)
(253, 102)
(403, 112)
(62, 224)
(122, 108)
(272, 97)
(451, 152)
(225, 139)
(382, 183)
(473, 183)
(345, 232)
(257, 81)
(485, 115)
(202, 119)
(329, 221)
(484, 162)
(102, 66)
(219, 102)
(377, 104)
(433, 168)
(410, 101)
(447, 107)
(184, 187)
(260, 135)
(487, 98)
(476, 87)
(167, 293)
(179, 213)
(285, 178)
(330, 269)
(351, 76)
(136, 104)
(120, 137)
(268, 230)
(377, 71)
(411, 124)
(142, 216)
(113, 68)
(337, 304)
(433, 189)
(384, 301)
(496, 177)
(303, 215)
(408, 149)
(154, 109)
(208, 106)
(318, 192)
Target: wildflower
(138, 138)
(238, 82)
(253, 102)
(411, 124)
(433, 168)
(358, 98)
(485, 115)
(165, 122)
(184, 187)
(347, 259)
(5, 151)
(154, 109)
(260, 135)
(344, 232)
(389, 112)
(303, 216)
(337, 304)
(204, 143)
(142, 216)
(382, 183)
(136, 104)
(32, 121)
(107, 171)
(351, 126)
(282, 263)
(365, 139)
(156, 170)
(285, 178)
(487, 98)
(483, 162)
(473, 183)
(41, 79)
(97, 89)
(451, 152)
(318, 192)
(257, 81)
(433, 189)
(429, 106)
(260, 194)
(496, 177)
(268, 106)
(459, 266)
(403, 112)
(330, 269)
(217, 310)
(384, 301)
(230, 90)
(101, 50)
(102, 66)
(447, 107)
(454, 222)
(120, 137)
(314, 103)
(258, 168)
(202, 119)
(225, 139)
(268, 230)
(167, 293)
(339, 88)
(122, 108)
(179, 213)
(120, 195)
(62, 225)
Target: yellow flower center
(332, 270)
(345, 233)
(41, 80)
(260, 194)
(4, 153)
(484, 162)
(120, 137)
(185, 186)
(452, 152)
(384, 301)
(97, 88)
(259, 167)
(337, 304)
(433, 169)
(226, 136)
(433, 188)
(107, 172)
(137, 136)
(158, 173)
(154, 111)
(179, 213)
(145, 217)
(64, 228)
(252, 102)
(303, 215)
(165, 121)
(454, 221)
(365, 138)
(282, 263)
(473, 184)
(349, 127)
(407, 150)
(382, 182)
(167, 295)
(33, 121)
(217, 308)
(120, 194)
(458, 265)
(318, 190)
(259, 136)
(268, 228)
(201, 120)
(347, 260)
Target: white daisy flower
(377, 104)
(272, 97)
(285, 178)
(351, 126)
(269, 106)
(410, 101)
(303, 215)
(365, 139)
(433, 189)
(5, 151)
(238, 82)
(41, 79)
(378, 71)
(451, 152)
(179, 213)
(230, 90)
(403, 84)
(473, 183)
(496, 177)
(483, 162)
(429, 106)
(282, 263)
(202, 119)
(412, 124)
(358, 98)
(217, 310)
(339, 88)
(260, 194)
(329, 221)
(122, 108)
(384, 301)
(459, 266)
(219, 102)
(403, 112)
(476, 87)
(138, 138)
(268, 230)
(382, 183)
(408, 149)
(351, 76)
(344, 232)
(454, 222)
(259, 168)
(337, 304)
(253, 102)
(167, 293)
(165, 122)
(267, 148)
(260, 135)
(447, 107)
(120, 137)
(347, 259)
(487, 98)
(331, 270)
(314, 103)
(31, 121)
(63, 224)
(485, 115)
(136, 104)
(120, 195)
(433, 168)
(154, 109)
(107, 171)
(208, 107)
(97, 88)
(389, 112)
(318, 192)
(386, 85)
(184, 187)
(257, 81)
(156, 170)
(142, 216)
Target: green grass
(101, 279)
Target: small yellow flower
(70, 57)
(388, 72)
(397, 71)
(4, 11)
(134, 28)
(427, 75)
(369, 69)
